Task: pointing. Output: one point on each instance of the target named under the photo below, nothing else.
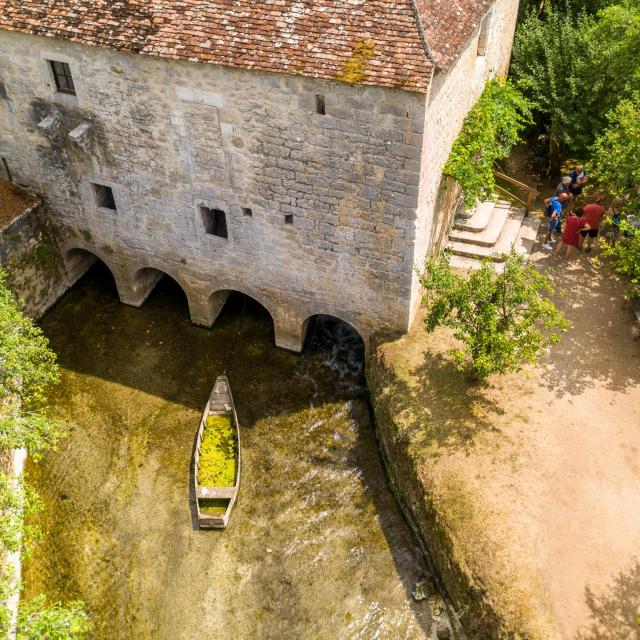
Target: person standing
(554, 208)
(579, 180)
(571, 234)
(564, 186)
(593, 214)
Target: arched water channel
(316, 547)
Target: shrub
(624, 257)
(490, 130)
(503, 320)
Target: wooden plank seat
(216, 493)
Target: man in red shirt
(571, 233)
(593, 214)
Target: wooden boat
(215, 503)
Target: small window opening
(5, 168)
(483, 38)
(215, 222)
(62, 76)
(320, 105)
(288, 218)
(246, 211)
(104, 197)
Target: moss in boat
(213, 507)
(217, 467)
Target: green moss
(217, 466)
(213, 507)
(355, 69)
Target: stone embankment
(29, 250)
(421, 436)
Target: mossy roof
(314, 38)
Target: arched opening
(160, 290)
(82, 264)
(241, 311)
(337, 345)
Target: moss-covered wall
(30, 255)
(400, 448)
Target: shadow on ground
(615, 613)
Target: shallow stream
(316, 546)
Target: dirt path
(585, 412)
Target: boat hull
(215, 504)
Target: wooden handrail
(515, 182)
(511, 195)
(532, 193)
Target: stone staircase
(491, 229)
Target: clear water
(315, 548)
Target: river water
(315, 548)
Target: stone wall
(31, 258)
(451, 97)
(320, 209)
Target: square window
(320, 104)
(104, 196)
(246, 211)
(288, 218)
(62, 77)
(215, 222)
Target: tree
(503, 320)
(575, 61)
(554, 66)
(490, 130)
(27, 367)
(615, 165)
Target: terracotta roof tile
(448, 25)
(376, 42)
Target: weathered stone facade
(324, 213)
(30, 255)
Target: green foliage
(490, 130)
(624, 256)
(576, 66)
(27, 367)
(36, 621)
(217, 462)
(615, 166)
(17, 502)
(553, 65)
(503, 320)
(6, 590)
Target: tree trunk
(554, 152)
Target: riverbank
(526, 490)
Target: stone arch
(78, 259)
(144, 280)
(218, 298)
(363, 334)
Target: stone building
(288, 149)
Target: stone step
(489, 235)
(505, 242)
(478, 220)
(527, 236)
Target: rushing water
(316, 547)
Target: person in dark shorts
(593, 214)
(571, 233)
